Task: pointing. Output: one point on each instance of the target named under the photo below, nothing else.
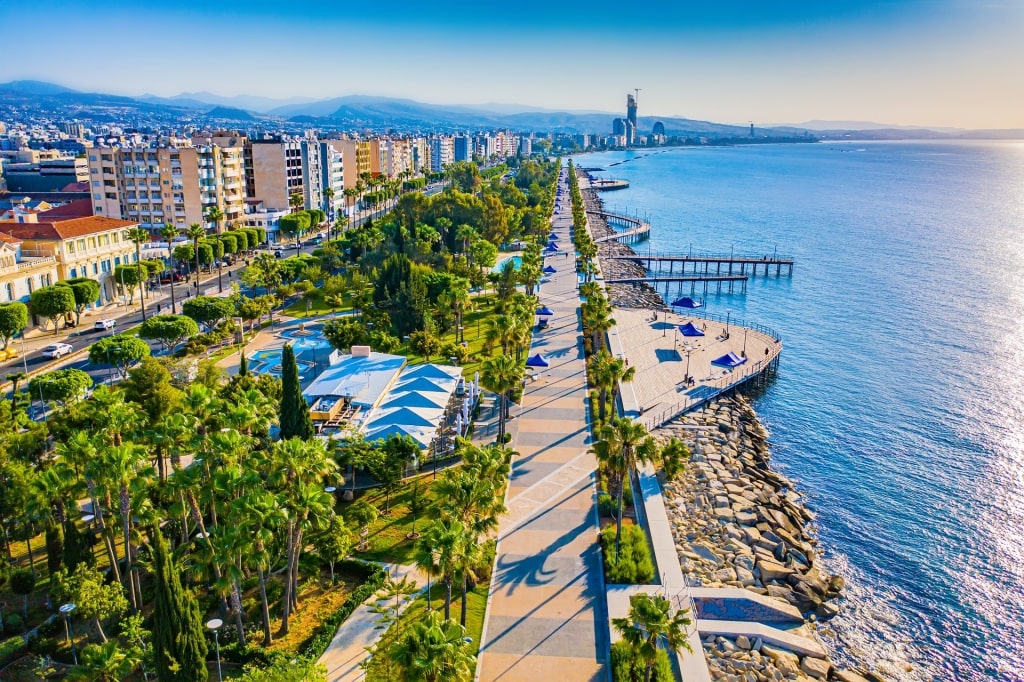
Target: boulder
(816, 667)
(744, 576)
(772, 571)
(742, 642)
(787, 663)
(827, 610)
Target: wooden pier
(724, 264)
(607, 184)
(633, 229)
(694, 281)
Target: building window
(95, 269)
(28, 283)
(81, 244)
(92, 242)
(10, 291)
(74, 273)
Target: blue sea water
(899, 405)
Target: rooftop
(64, 229)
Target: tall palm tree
(257, 515)
(631, 440)
(503, 374)
(438, 550)
(196, 232)
(140, 236)
(329, 208)
(215, 215)
(295, 201)
(606, 372)
(650, 624)
(434, 650)
(170, 232)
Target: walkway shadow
(666, 355)
(529, 570)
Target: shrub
(13, 623)
(606, 505)
(634, 565)
(628, 667)
(11, 650)
(317, 643)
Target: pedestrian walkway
(545, 615)
(347, 651)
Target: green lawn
(388, 538)
(473, 331)
(317, 307)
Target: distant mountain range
(381, 113)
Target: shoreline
(735, 521)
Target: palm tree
(140, 236)
(106, 662)
(674, 454)
(329, 208)
(438, 550)
(434, 650)
(295, 201)
(649, 624)
(597, 319)
(503, 375)
(631, 440)
(215, 215)
(196, 232)
(170, 232)
(606, 372)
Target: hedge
(317, 643)
(634, 565)
(627, 667)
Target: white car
(108, 323)
(57, 350)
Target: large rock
(773, 571)
(815, 667)
(787, 663)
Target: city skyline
(900, 62)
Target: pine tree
(294, 416)
(179, 646)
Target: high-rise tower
(631, 117)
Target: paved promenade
(546, 619)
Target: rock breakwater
(639, 295)
(737, 523)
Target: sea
(899, 405)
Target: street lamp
(744, 342)
(686, 378)
(728, 313)
(214, 624)
(67, 610)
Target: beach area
(735, 522)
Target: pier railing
(730, 379)
(771, 258)
(728, 319)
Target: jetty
(693, 280)
(714, 264)
(632, 229)
(608, 184)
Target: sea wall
(738, 523)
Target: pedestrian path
(545, 616)
(347, 651)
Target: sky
(954, 63)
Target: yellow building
(356, 158)
(20, 275)
(80, 247)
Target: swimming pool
(517, 261)
(269, 362)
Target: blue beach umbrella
(689, 329)
(544, 310)
(686, 302)
(552, 245)
(550, 270)
(537, 360)
(730, 360)
(552, 236)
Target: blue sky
(926, 62)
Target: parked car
(108, 323)
(166, 277)
(57, 350)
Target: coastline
(735, 522)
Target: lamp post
(744, 342)
(214, 625)
(728, 313)
(686, 378)
(67, 610)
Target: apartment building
(332, 176)
(45, 175)
(379, 147)
(20, 275)
(463, 148)
(442, 152)
(285, 166)
(173, 184)
(80, 247)
(399, 158)
(356, 155)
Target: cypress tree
(294, 417)
(54, 546)
(179, 644)
(76, 547)
(243, 366)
